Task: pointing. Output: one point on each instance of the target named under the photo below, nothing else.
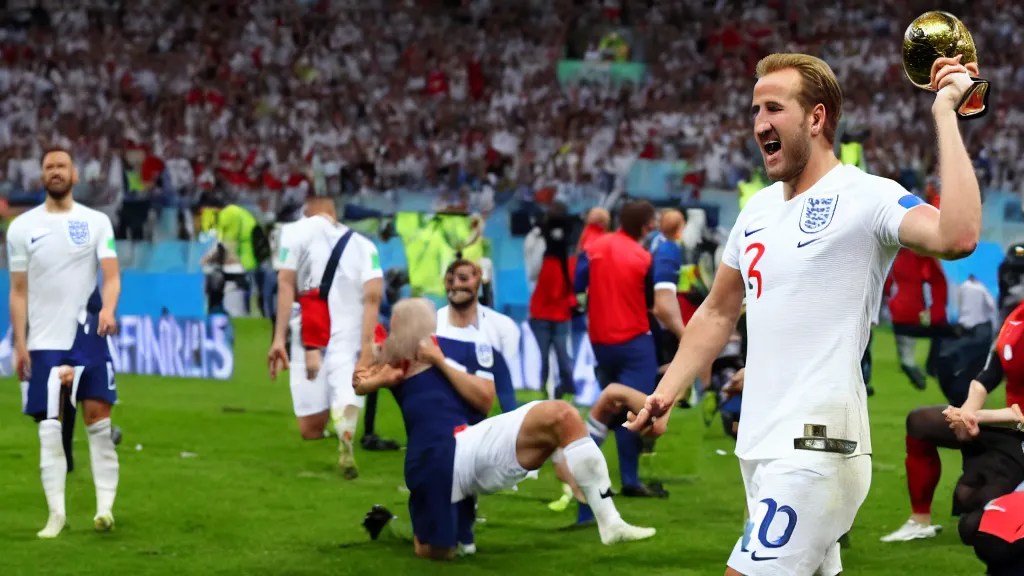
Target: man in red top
(553, 300)
(911, 317)
(615, 272)
(993, 462)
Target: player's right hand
(22, 363)
(430, 353)
(654, 415)
(277, 359)
(951, 80)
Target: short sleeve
(370, 263)
(510, 338)
(106, 247)
(731, 253)
(287, 257)
(17, 249)
(891, 204)
(456, 364)
(668, 260)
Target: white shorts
(332, 387)
(799, 508)
(485, 455)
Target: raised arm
(952, 232)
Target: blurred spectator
(261, 104)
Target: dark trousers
(554, 334)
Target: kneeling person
(449, 459)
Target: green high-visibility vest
(748, 189)
(428, 248)
(852, 154)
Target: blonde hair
(412, 320)
(819, 85)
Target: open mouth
(772, 147)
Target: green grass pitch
(256, 500)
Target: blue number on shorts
(748, 530)
(769, 516)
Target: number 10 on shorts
(774, 523)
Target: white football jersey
(814, 268)
(492, 328)
(60, 252)
(306, 246)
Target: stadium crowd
(269, 101)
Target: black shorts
(993, 467)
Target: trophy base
(816, 440)
(974, 103)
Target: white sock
(346, 426)
(588, 467)
(105, 467)
(53, 466)
(597, 430)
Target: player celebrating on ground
(340, 282)
(928, 429)
(449, 460)
(54, 252)
(810, 254)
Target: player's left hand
(107, 323)
(951, 80)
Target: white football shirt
(60, 252)
(814, 268)
(306, 247)
(492, 328)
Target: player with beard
(60, 321)
(466, 319)
(809, 254)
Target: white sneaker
(466, 549)
(619, 531)
(913, 531)
(104, 522)
(54, 526)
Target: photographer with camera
(553, 302)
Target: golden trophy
(934, 35)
